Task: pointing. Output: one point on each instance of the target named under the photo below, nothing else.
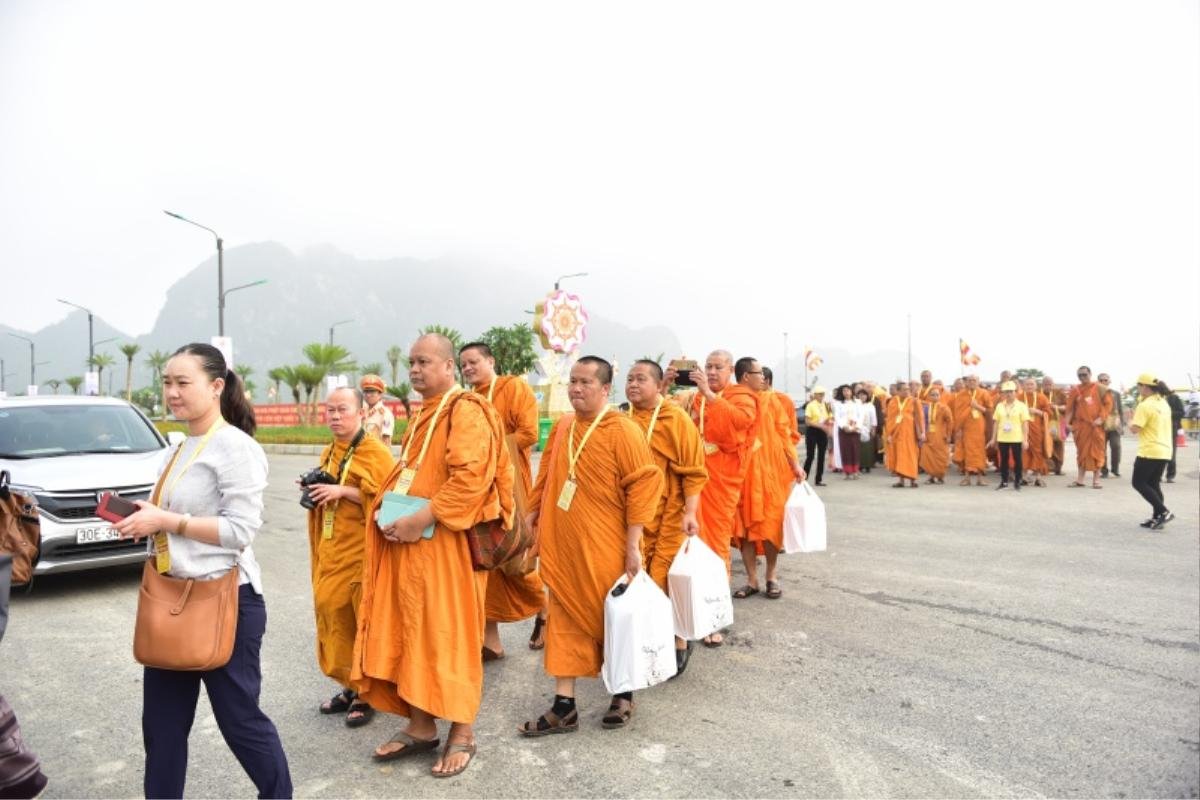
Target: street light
(220, 269)
(32, 359)
(572, 275)
(334, 325)
(91, 346)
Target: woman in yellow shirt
(1010, 432)
(818, 421)
(1152, 424)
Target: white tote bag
(639, 636)
(803, 521)
(699, 587)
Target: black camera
(314, 477)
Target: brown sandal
(536, 640)
(552, 724)
(411, 744)
(618, 714)
(491, 655)
(450, 749)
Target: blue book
(396, 506)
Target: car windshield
(63, 430)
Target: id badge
(327, 524)
(405, 481)
(932, 428)
(974, 413)
(899, 418)
(566, 495)
(709, 449)
(1007, 427)
(162, 553)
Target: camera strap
(349, 456)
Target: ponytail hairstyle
(234, 408)
(1162, 388)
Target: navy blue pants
(169, 707)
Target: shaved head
(721, 355)
(347, 394)
(437, 344)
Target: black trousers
(1112, 464)
(816, 440)
(1176, 424)
(1147, 473)
(1013, 449)
(169, 707)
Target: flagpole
(786, 369)
(962, 373)
(910, 348)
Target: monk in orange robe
(956, 448)
(1058, 407)
(725, 414)
(768, 483)
(510, 597)
(675, 444)
(904, 426)
(972, 406)
(337, 538)
(420, 626)
(935, 453)
(1039, 413)
(596, 489)
(925, 387)
(1087, 408)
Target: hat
(1008, 386)
(1146, 379)
(372, 381)
(818, 390)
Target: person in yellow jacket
(1152, 424)
(818, 421)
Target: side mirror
(175, 437)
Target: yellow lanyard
(429, 432)
(573, 454)
(191, 460)
(492, 389)
(900, 404)
(654, 419)
(703, 401)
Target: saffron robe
(970, 427)
(337, 561)
(765, 490)
(1086, 405)
(582, 550)
(420, 626)
(677, 450)
(1035, 456)
(935, 453)
(511, 598)
(902, 423)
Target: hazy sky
(1025, 175)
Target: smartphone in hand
(113, 508)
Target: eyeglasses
(754, 372)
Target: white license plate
(97, 533)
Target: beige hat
(818, 390)
(1008, 386)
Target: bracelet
(181, 529)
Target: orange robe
(1086, 405)
(787, 429)
(337, 561)
(726, 427)
(1035, 455)
(583, 549)
(970, 428)
(420, 626)
(1058, 399)
(902, 423)
(677, 450)
(935, 453)
(511, 598)
(765, 490)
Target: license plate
(97, 533)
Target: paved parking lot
(952, 642)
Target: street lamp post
(564, 277)
(32, 358)
(220, 269)
(91, 345)
(334, 325)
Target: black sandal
(550, 722)
(774, 591)
(339, 703)
(745, 591)
(363, 711)
(618, 714)
(536, 640)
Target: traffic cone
(1180, 438)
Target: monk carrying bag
(20, 530)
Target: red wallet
(113, 508)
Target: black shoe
(1162, 520)
(1003, 485)
(1116, 474)
(1017, 487)
(681, 660)
(1147, 524)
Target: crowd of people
(406, 618)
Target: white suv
(66, 452)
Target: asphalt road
(952, 642)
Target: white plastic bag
(803, 521)
(699, 585)
(639, 636)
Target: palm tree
(450, 333)
(130, 350)
(244, 372)
(100, 361)
(374, 368)
(402, 392)
(332, 358)
(75, 381)
(291, 379)
(54, 383)
(310, 376)
(276, 376)
(157, 360)
(394, 357)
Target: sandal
(899, 485)
(965, 482)
(1097, 486)
(359, 714)
(491, 655)
(339, 703)
(411, 746)
(549, 723)
(618, 714)
(709, 641)
(774, 591)
(1075, 485)
(745, 591)
(452, 748)
(536, 640)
